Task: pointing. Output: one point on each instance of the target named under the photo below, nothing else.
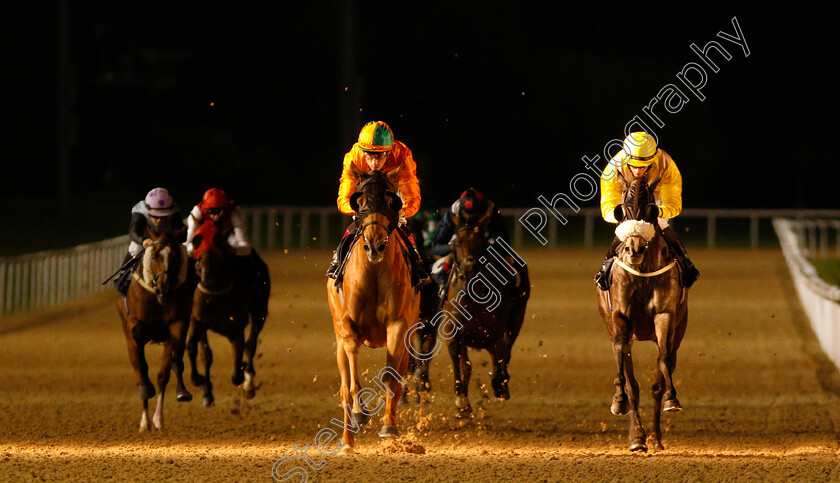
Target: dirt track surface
(760, 400)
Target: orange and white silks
(406, 183)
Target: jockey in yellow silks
(378, 150)
(640, 156)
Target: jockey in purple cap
(158, 212)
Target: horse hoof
(388, 431)
(672, 406)
(638, 444)
(361, 418)
(346, 449)
(249, 393)
(146, 391)
(207, 401)
(184, 396)
(656, 445)
(237, 378)
(464, 412)
(620, 406)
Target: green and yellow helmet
(640, 149)
(376, 137)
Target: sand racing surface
(761, 401)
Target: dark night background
(264, 102)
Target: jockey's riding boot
(419, 275)
(689, 271)
(340, 253)
(602, 278)
(123, 277)
(332, 272)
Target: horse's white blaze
(148, 276)
(638, 228)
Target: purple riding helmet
(159, 202)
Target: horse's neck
(225, 270)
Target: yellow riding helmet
(376, 137)
(640, 149)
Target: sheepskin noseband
(635, 228)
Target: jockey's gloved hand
(147, 243)
(618, 212)
(403, 221)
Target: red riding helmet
(214, 198)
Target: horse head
(211, 249)
(377, 207)
(165, 264)
(640, 218)
(470, 242)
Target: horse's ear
(152, 234)
(623, 182)
(395, 203)
(652, 185)
(392, 175)
(354, 200)
(651, 213)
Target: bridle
(153, 286)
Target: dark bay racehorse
(157, 309)
(645, 302)
(486, 301)
(375, 306)
(226, 302)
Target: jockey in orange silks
(377, 149)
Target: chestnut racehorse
(376, 306)
(225, 302)
(486, 301)
(157, 309)
(645, 302)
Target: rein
(645, 274)
(207, 291)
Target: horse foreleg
(501, 357)
(620, 405)
(397, 360)
(637, 435)
(162, 380)
(343, 361)
(657, 390)
(177, 336)
(428, 338)
(258, 316)
(667, 359)
(207, 399)
(144, 417)
(463, 372)
(136, 339)
(237, 345)
(195, 334)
